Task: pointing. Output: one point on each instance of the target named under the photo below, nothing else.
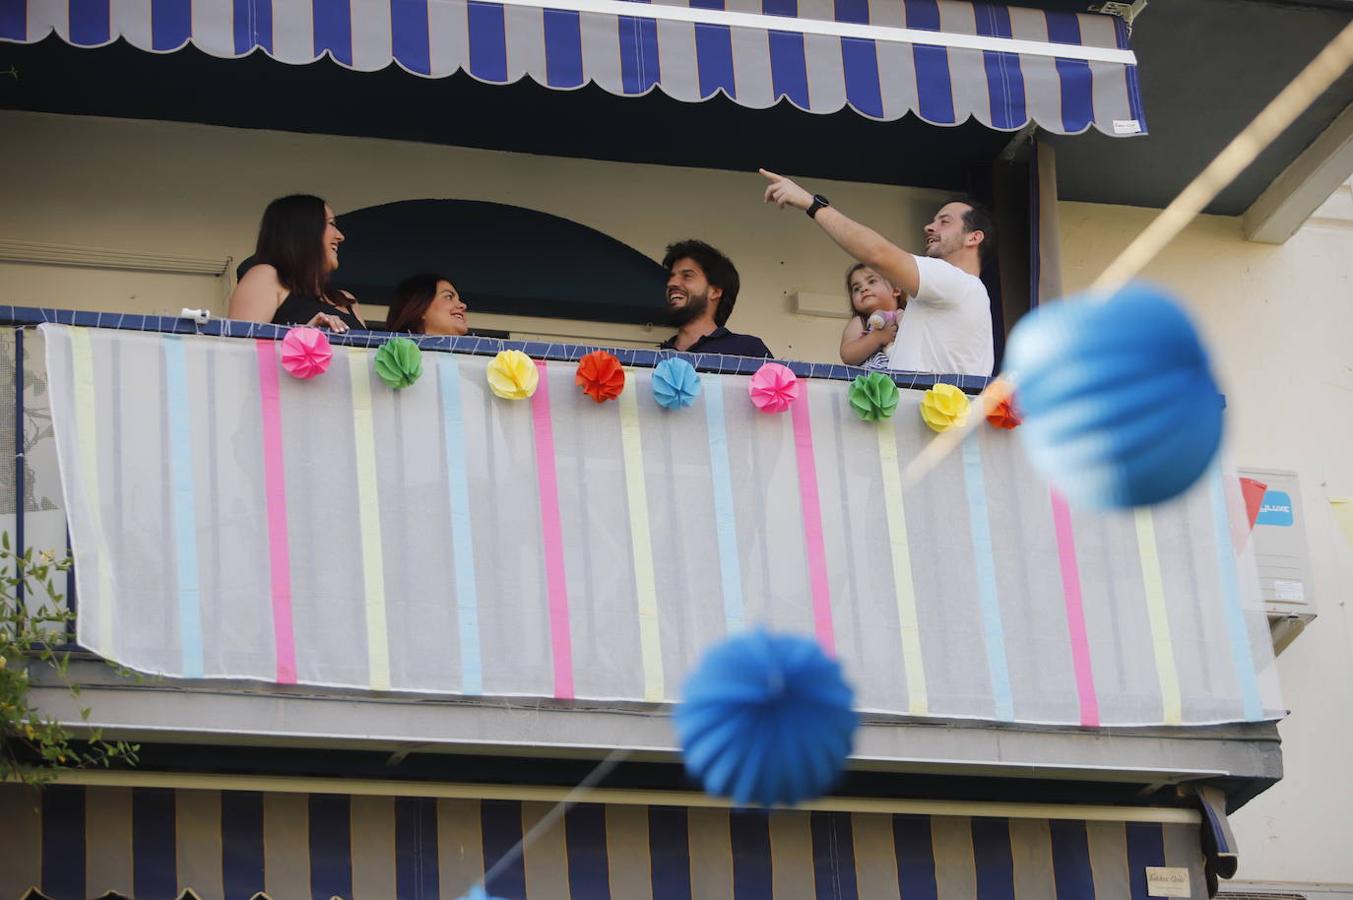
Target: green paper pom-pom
(399, 362)
(873, 396)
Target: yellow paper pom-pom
(513, 375)
(944, 406)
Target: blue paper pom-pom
(1119, 401)
(675, 383)
(766, 719)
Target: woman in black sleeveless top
(289, 283)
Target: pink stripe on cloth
(812, 521)
(1075, 611)
(275, 494)
(553, 534)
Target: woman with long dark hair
(296, 254)
(428, 304)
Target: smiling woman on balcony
(289, 282)
(428, 304)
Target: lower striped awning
(70, 841)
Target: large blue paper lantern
(766, 719)
(478, 893)
(1119, 401)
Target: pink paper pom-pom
(306, 352)
(773, 388)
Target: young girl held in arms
(877, 308)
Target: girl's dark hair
(291, 240)
(412, 299)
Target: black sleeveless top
(299, 309)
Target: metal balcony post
(18, 462)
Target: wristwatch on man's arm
(819, 202)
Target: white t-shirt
(947, 326)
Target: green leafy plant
(33, 747)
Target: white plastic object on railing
(200, 316)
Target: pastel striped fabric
(941, 60)
(228, 522)
(228, 845)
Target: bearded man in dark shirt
(702, 286)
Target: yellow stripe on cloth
(82, 365)
(645, 584)
(918, 704)
(369, 515)
(1159, 617)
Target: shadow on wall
(503, 259)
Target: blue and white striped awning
(942, 60)
(73, 842)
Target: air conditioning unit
(1280, 550)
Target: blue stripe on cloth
(984, 569)
(563, 48)
(1134, 87)
(934, 87)
(1078, 104)
(725, 515)
(333, 29)
(89, 22)
(154, 862)
(991, 854)
(1238, 635)
(416, 874)
(1212, 819)
(330, 846)
(670, 853)
(183, 503)
(640, 66)
(833, 856)
(788, 65)
(860, 61)
(1071, 872)
(242, 873)
(749, 831)
(915, 857)
(462, 540)
(253, 25)
(1005, 79)
(500, 824)
(488, 41)
(1145, 847)
(63, 841)
(585, 837)
(409, 35)
(171, 23)
(14, 20)
(714, 54)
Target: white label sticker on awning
(1167, 881)
(1127, 126)
(1289, 590)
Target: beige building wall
(1279, 319)
(196, 192)
(1280, 324)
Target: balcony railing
(231, 522)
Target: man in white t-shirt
(947, 326)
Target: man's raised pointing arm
(860, 241)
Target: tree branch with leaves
(34, 747)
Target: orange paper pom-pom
(600, 375)
(1005, 415)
